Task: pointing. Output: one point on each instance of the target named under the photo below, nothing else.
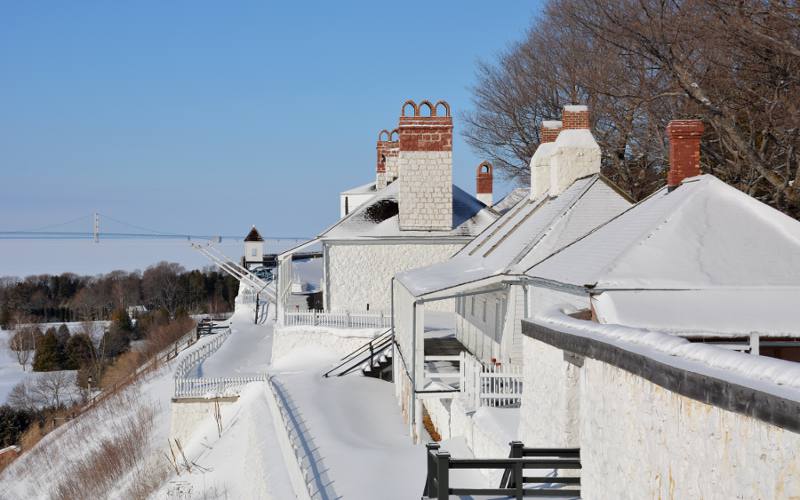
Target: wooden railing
(338, 319)
(496, 386)
(514, 481)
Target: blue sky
(207, 117)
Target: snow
(11, 372)
(705, 234)
(774, 376)
(575, 108)
(551, 124)
(246, 351)
(243, 462)
(530, 231)
(706, 313)
(470, 216)
(354, 427)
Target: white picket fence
(496, 386)
(338, 319)
(213, 387)
(199, 354)
(187, 386)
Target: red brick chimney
(483, 183)
(387, 150)
(684, 150)
(550, 130)
(575, 117)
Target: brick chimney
(684, 150)
(575, 154)
(392, 151)
(380, 168)
(426, 167)
(540, 163)
(483, 184)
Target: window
(346, 205)
(253, 252)
(483, 313)
(472, 306)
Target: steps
(373, 359)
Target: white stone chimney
(426, 167)
(540, 163)
(575, 153)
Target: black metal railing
(514, 481)
(365, 353)
(207, 327)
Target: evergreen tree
(62, 335)
(80, 351)
(46, 357)
(5, 316)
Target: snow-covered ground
(361, 449)
(11, 372)
(349, 436)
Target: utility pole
(96, 227)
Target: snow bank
(243, 461)
(761, 373)
(353, 426)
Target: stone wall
(188, 415)
(640, 440)
(358, 275)
(339, 340)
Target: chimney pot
(684, 150)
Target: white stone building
(568, 199)
(633, 356)
(418, 218)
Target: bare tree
(161, 285)
(638, 63)
(50, 387)
(22, 343)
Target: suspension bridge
(89, 227)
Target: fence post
(443, 475)
(316, 321)
(518, 479)
(347, 320)
(430, 450)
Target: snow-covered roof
(529, 232)
(703, 313)
(511, 199)
(363, 189)
(378, 219)
(704, 234)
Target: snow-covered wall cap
(575, 108)
(552, 124)
(771, 375)
(550, 130)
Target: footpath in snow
(352, 437)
